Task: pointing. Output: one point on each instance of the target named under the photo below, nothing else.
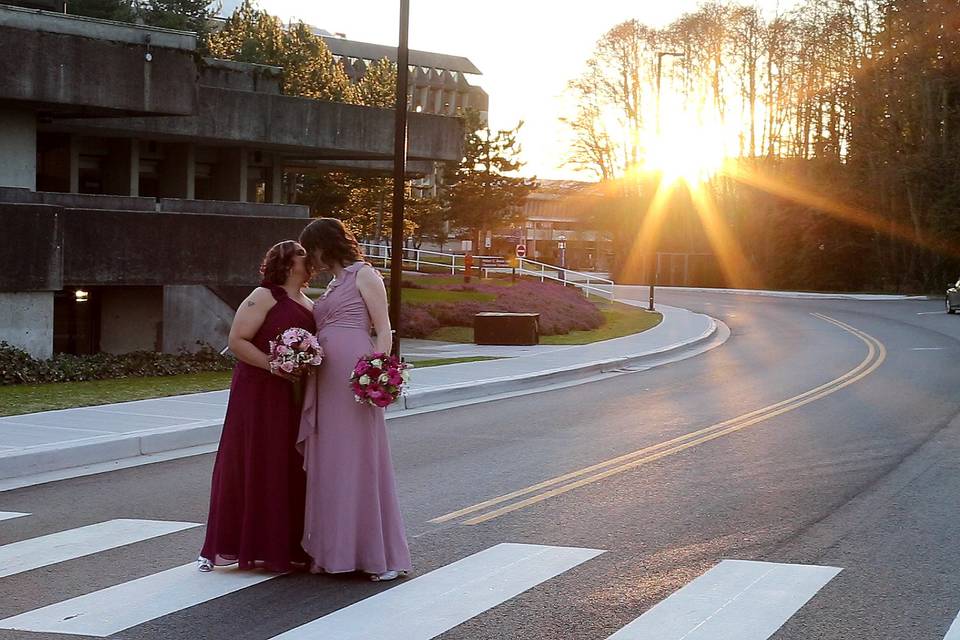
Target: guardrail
(419, 258)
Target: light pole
(399, 173)
(656, 266)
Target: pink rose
(287, 366)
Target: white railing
(586, 282)
(379, 254)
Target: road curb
(104, 449)
(512, 384)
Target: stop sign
(521, 250)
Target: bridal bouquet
(294, 350)
(378, 379)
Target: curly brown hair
(277, 263)
(333, 241)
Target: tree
(378, 86)
(117, 10)
(482, 195)
(184, 15)
(309, 69)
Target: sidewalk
(49, 441)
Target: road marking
(735, 600)
(10, 515)
(876, 354)
(34, 553)
(114, 609)
(953, 633)
(930, 313)
(427, 606)
(927, 349)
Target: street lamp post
(656, 266)
(399, 173)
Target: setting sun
(685, 150)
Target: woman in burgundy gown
(257, 495)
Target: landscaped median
(443, 308)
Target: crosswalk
(733, 600)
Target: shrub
(416, 322)
(18, 367)
(562, 309)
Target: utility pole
(399, 173)
(656, 266)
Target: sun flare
(689, 152)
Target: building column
(121, 168)
(74, 163)
(275, 182)
(230, 175)
(178, 171)
(18, 140)
(26, 321)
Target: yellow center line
(876, 353)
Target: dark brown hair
(277, 263)
(334, 241)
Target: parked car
(953, 297)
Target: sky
(527, 50)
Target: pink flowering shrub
(562, 309)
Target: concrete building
(560, 213)
(141, 184)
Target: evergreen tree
(482, 195)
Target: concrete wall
(192, 315)
(26, 321)
(72, 74)
(130, 318)
(223, 208)
(18, 148)
(311, 128)
(31, 248)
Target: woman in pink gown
(256, 499)
(353, 520)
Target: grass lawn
(619, 320)
(436, 362)
(27, 398)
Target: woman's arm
(370, 285)
(246, 323)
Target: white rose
(384, 377)
(364, 380)
(377, 363)
(405, 375)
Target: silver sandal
(386, 576)
(204, 565)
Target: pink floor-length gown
(353, 520)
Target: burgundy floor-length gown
(257, 494)
(353, 520)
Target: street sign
(521, 250)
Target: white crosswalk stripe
(735, 600)
(34, 553)
(953, 633)
(433, 603)
(111, 610)
(10, 515)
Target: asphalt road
(822, 433)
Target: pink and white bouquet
(378, 379)
(294, 350)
